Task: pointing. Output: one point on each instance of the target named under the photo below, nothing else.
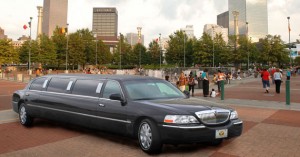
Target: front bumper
(198, 133)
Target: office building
(55, 14)
(253, 12)
(213, 30)
(189, 31)
(133, 39)
(2, 35)
(223, 20)
(105, 25)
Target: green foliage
(297, 60)
(8, 55)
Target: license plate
(221, 133)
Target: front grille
(213, 117)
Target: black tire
(24, 118)
(149, 137)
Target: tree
(8, 55)
(126, 52)
(175, 51)
(32, 47)
(60, 42)
(46, 53)
(76, 54)
(297, 60)
(139, 54)
(155, 53)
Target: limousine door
(113, 113)
(32, 95)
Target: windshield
(151, 90)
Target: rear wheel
(149, 138)
(25, 119)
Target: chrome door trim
(81, 114)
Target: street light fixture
(213, 39)
(67, 48)
(184, 48)
(247, 35)
(139, 35)
(289, 38)
(120, 51)
(160, 51)
(29, 55)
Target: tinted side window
(58, 85)
(37, 84)
(87, 87)
(111, 87)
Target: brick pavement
(267, 132)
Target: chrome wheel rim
(145, 135)
(23, 115)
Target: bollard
(287, 92)
(222, 90)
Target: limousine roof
(100, 76)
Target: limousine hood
(185, 106)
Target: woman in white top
(277, 77)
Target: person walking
(191, 82)
(205, 84)
(277, 79)
(182, 82)
(266, 80)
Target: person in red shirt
(266, 80)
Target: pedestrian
(277, 78)
(205, 84)
(239, 74)
(288, 74)
(266, 80)
(220, 77)
(182, 82)
(38, 72)
(191, 82)
(273, 70)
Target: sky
(154, 16)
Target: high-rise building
(213, 30)
(133, 39)
(105, 25)
(189, 31)
(2, 35)
(55, 14)
(253, 12)
(223, 19)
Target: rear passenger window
(87, 87)
(37, 84)
(111, 87)
(58, 85)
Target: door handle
(27, 94)
(101, 105)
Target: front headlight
(234, 115)
(180, 119)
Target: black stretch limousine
(150, 109)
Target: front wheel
(25, 119)
(149, 138)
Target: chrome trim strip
(82, 114)
(236, 123)
(66, 94)
(185, 127)
(69, 85)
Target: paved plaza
(271, 128)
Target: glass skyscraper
(255, 12)
(105, 22)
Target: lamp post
(67, 48)
(139, 35)
(213, 39)
(184, 49)
(160, 51)
(29, 55)
(247, 43)
(120, 51)
(95, 35)
(289, 39)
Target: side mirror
(118, 97)
(187, 93)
